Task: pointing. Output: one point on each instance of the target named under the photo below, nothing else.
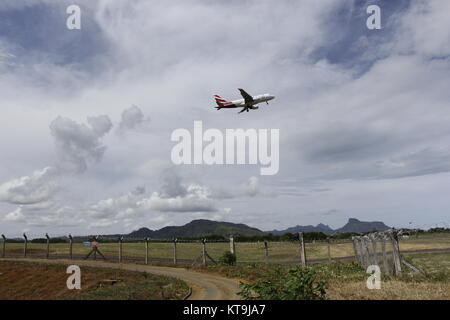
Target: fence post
(146, 250)
(232, 245)
(396, 252)
(355, 250)
(175, 250)
(362, 251)
(204, 251)
(70, 246)
(48, 246)
(4, 246)
(266, 252)
(120, 248)
(302, 248)
(329, 249)
(383, 250)
(25, 244)
(366, 250)
(374, 248)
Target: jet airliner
(248, 103)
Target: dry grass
(390, 290)
(33, 281)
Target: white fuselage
(256, 100)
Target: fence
(380, 248)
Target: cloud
(132, 119)
(197, 199)
(38, 187)
(45, 214)
(249, 188)
(78, 145)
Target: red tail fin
(221, 102)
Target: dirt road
(204, 286)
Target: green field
(247, 252)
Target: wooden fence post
(175, 250)
(70, 246)
(146, 250)
(266, 252)
(374, 248)
(25, 245)
(355, 250)
(385, 260)
(48, 246)
(302, 248)
(232, 245)
(361, 251)
(4, 246)
(396, 253)
(367, 250)
(204, 252)
(329, 250)
(120, 248)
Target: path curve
(204, 286)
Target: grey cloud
(171, 185)
(418, 163)
(38, 187)
(131, 119)
(78, 145)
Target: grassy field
(347, 281)
(33, 281)
(248, 252)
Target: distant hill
(354, 225)
(319, 228)
(197, 228)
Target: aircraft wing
(248, 98)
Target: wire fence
(382, 249)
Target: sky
(87, 115)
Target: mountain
(319, 228)
(354, 225)
(197, 228)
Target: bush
(297, 284)
(228, 259)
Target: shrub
(297, 284)
(228, 259)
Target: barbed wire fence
(377, 248)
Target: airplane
(247, 104)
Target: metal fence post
(25, 245)
(4, 246)
(70, 246)
(204, 252)
(48, 246)
(329, 249)
(146, 250)
(266, 252)
(120, 248)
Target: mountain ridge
(204, 227)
